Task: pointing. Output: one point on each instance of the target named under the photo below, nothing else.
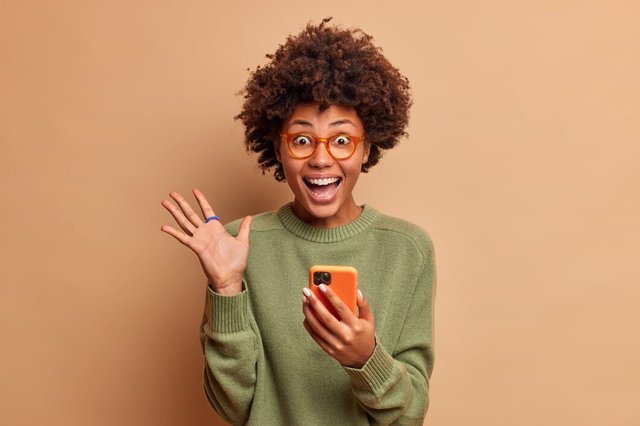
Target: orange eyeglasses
(302, 145)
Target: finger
(180, 236)
(324, 345)
(364, 309)
(186, 209)
(322, 313)
(207, 211)
(346, 315)
(245, 227)
(318, 328)
(179, 217)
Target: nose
(321, 157)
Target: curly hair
(329, 65)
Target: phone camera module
(322, 277)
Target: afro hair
(328, 65)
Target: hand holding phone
(349, 340)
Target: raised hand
(351, 340)
(223, 257)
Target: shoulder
(266, 221)
(406, 231)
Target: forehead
(310, 115)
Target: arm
(391, 388)
(230, 348)
(226, 335)
(394, 388)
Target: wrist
(228, 289)
(364, 358)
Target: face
(323, 186)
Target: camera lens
(317, 278)
(326, 278)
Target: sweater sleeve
(394, 388)
(230, 349)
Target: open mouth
(324, 188)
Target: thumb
(245, 227)
(364, 309)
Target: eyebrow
(333, 124)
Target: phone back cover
(344, 281)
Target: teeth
(324, 181)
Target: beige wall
(522, 163)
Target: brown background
(522, 163)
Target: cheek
(354, 168)
(291, 168)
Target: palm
(223, 257)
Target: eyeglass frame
(316, 140)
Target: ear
(365, 153)
(276, 147)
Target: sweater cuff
(228, 314)
(375, 372)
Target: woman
(319, 113)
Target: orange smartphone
(342, 279)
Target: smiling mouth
(323, 189)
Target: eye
(301, 140)
(341, 140)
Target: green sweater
(261, 366)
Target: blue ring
(209, 219)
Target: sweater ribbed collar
(293, 224)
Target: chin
(313, 213)
(323, 212)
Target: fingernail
(323, 288)
(306, 292)
(360, 296)
(304, 299)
